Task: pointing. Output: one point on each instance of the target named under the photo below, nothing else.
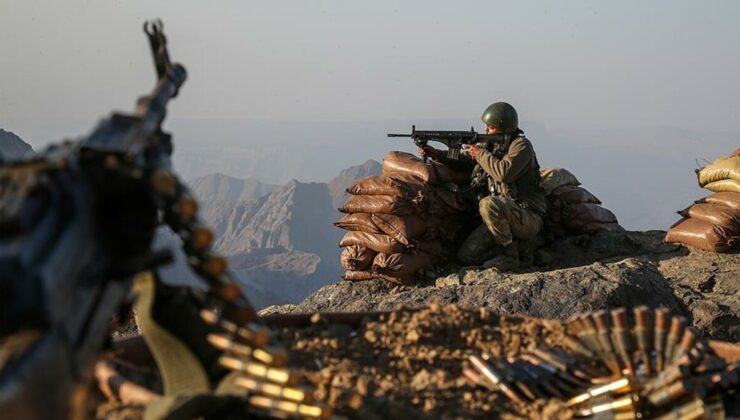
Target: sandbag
(714, 214)
(700, 234)
(735, 153)
(402, 229)
(583, 213)
(720, 169)
(362, 222)
(725, 185)
(726, 199)
(451, 200)
(395, 185)
(430, 173)
(553, 178)
(378, 243)
(357, 257)
(591, 228)
(401, 268)
(359, 276)
(574, 194)
(384, 204)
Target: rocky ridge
(573, 275)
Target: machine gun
(76, 224)
(454, 140)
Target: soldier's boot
(507, 261)
(527, 250)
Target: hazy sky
(591, 64)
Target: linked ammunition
(678, 324)
(495, 378)
(662, 316)
(603, 330)
(621, 385)
(544, 379)
(290, 407)
(688, 341)
(212, 264)
(164, 182)
(275, 391)
(260, 371)
(197, 237)
(518, 378)
(661, 397)
(624, 404)
(475, 380)
(561, 364)
(695, 409)
(569, 382)
(186, 207)
(644, 337)
(269, 356)
(623, 338)
(585, 334)
(255, 335)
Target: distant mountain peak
(12, 146)
(349, 176)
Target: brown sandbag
(402, 229)
(362, 222)
(700, 234)
(357, 258)
(359, 276)
(724, 185)
(430, 173)
(401, 268)
(553, 178)
(720, 169)
(395, 185)
(714, 214)
(385, 204)
(378, 243)
(735, 153)
(583, 213)
(574, 194)
(726, 199)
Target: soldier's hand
(473, 150)
(428, 151)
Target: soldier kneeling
(506, 184)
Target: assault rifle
(76, 224)
(454, 140)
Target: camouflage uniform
(511, 201)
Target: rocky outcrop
(11, 146)
(279, 239)
(575, 275)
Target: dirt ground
(408, 364)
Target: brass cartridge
(678, 324)
(495, 378)
(662, 316)
(644, 337)
(623, 338)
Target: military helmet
(502, 116)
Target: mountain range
(279, 239)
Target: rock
(614, 269)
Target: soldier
(506, 183)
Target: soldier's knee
(491, 207)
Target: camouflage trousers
(504, 221)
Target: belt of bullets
(271, 389)
(617, 366)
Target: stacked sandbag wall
(403, 221)
(571, 209)
(713, 223)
